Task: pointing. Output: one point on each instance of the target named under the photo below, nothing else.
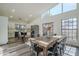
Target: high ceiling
(24, 11)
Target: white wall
(3, 30)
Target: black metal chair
(58, 48)
(53, 50)
(61, 46)
(36, 48)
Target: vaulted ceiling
(24, 11)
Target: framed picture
(47, 29)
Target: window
(59, 9)
(69, 29)
(20, 27)
(69, 6)
(56, 10)
(17, 26)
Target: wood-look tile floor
(10, 45)
(71, 51)
(14, 49)
(21, 49)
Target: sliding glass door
(69, 29)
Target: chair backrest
(33, 45)
(63, 41)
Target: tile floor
(10, 45)
(69, 50)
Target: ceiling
(24, 11)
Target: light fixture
(13, 10)
(30, 15)
(20, 18)
(11, 16)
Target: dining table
(46, 42)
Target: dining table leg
(45, 51)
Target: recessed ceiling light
(11, 16)
(13, 10)
(30, 15)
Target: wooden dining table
(47, 42)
